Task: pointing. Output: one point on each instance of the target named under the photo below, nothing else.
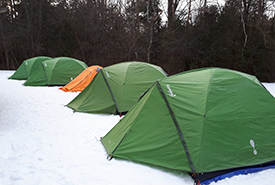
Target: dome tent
(82, 80)
(204, 122)
(57, 71)
(27, 67)
(116, 88)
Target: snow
(45, 143)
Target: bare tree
(172, 7)
(152, 17)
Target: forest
(178, 35)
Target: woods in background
(174, 34)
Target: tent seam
(82, 80)
(178, 129)
(118, 144)
(204, 115)
(123, 85)
(110, 90)
(45, 73)
(58, 59)
(26, 70)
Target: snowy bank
(45, 143)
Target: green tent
(205, 120)
(116, 88)
(57, 71)
(27, 68)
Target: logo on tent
(107, 74)
(170, 91)
(252, 143)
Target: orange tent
(82, 80)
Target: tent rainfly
(27, 68)
(57, 71)
(82, 80)
(205, 122)
(116, 88)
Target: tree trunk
(189, 11)
(171, 13)
(4, 45)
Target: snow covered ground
(44, 143)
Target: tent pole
(113, 97)
(178, 129)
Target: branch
(245, 34)
(264, 37)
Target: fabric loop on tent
(178, 129)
